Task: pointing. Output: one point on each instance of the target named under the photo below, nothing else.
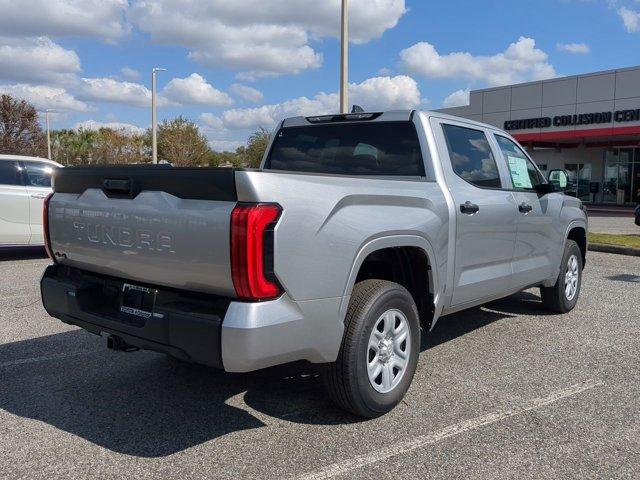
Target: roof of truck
(388, 116)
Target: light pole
(154, 115)
(46, 119)
(344, 58)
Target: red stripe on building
(574, 134)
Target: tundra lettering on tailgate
(124, 236)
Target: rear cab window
(371, 148)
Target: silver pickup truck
(357, 233)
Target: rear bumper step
(183, 325)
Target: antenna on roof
(357, 109)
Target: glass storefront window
(579, 180)
(621, 181)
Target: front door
(538, 243)
(485, 213)
(14, 206)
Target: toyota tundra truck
(356, 234)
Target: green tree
(251, 154)
(103, 146)
(20, 130)
(181, 143)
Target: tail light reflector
(252, 251)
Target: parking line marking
(347, 466)
(45, 358)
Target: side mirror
(559, 179)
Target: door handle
(525, 207)
(469, 208)
(39, 195)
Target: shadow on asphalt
(22, 253)
(147, 405)
(462, 323)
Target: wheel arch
(577, 231)
(400, 247)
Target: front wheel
(563, 296)
(379, 351)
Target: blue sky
(235, 65)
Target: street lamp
(344, 58)
(46, 118)
(154, 116)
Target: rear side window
(471, 156)
(38, 174)
(372, 148)
(10, 173)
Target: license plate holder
(137, 301)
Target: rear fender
(380, 243)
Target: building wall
(608, 91)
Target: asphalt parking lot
(502, 391)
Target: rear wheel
(379, 351)
(563, 296)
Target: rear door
(37, 177)
(14, 205)
(486, 218)
(538, 242)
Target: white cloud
(630, 18)
(130, 74)
(36, 60)
(459, 98)
(212, 122)
(520, 62)
(224, 145)
(378, 93)
(576, 48)
(247, 93)
(194, 90)
(385, 93)
(114, 91)
(43, 97)
(92, 18)
(120, 126)
(260, 37)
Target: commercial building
(587, 124)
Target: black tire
(554, 298)
(347, 379)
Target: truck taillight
(45, 226)
(252, 251)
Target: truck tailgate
(149, 224)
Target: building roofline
(557, 79)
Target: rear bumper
(187, 327)
(205, 329)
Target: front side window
(38, 174)
(10, 173)
(368, 148)
(524, 175)
(471, 156)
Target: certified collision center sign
(619, 116)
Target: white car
(24, 184)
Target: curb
(599, 247)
